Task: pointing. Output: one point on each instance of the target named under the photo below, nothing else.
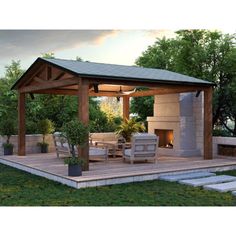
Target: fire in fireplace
(165, 137)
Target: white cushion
(151, 147)
(128, 152)
(97, 151)
(139, 148)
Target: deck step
(190, 175)
(225, 187)
(208, 180)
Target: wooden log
(21, 124)
(208, 123)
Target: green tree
(8, 97)
(48, 55)
(143, 106)
(204, 54)
(57, 108)
(111, 107)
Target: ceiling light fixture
(121, 92)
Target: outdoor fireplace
(174, 121)
(165, 137)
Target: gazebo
(84, 79)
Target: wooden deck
(115, 171)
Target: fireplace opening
(165, 137)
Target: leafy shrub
(221, 132)
(45, 127)
(7, 127)
(128, 128)
(76, 133)
(73, 161)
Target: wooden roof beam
(151, 84)
(151, 92)
(162, 91)
(49, 85)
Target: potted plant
(128, 128)
(45, 127)
(76, 134)
(7, 128)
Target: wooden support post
(21, 124)
(208, 123)
(125, 107)
(83, 115)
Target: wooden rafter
(35, 74)
(136, 83)
(49, 85)
(151, 92)
(161, 91)
(39, 80)
(49, 73)
(59, 76)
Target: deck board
(116, 168)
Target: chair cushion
(151, 147)
(97, 151)
(128, 152)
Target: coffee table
(113, 146)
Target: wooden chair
(63, 147)
(144, 147)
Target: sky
(106, 46)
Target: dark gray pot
(44, 149)
(74, 170)
(8, 151)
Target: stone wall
(222, 140)
(198, 115)
(33, 139)
(31, 143)
(109, 136)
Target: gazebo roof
(117, 72)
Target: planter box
(227, 150)
(224, 146)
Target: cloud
(161, 33)
(26, 43)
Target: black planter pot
(8, 151)
(44, 149)
(74, 170)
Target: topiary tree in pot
(77, 135)
(7, 128)
(45, 127)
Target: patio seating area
(115, 171)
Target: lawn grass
(18, 188)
